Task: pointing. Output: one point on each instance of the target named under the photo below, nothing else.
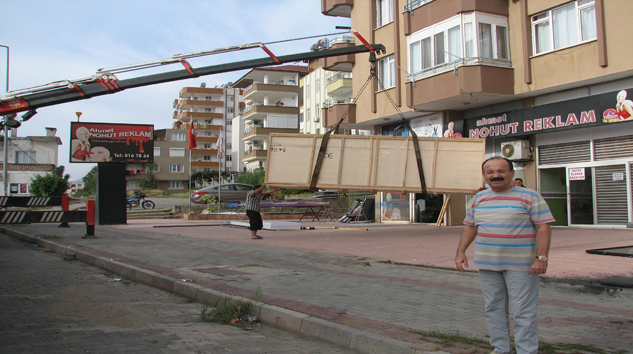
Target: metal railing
(338, 76)
(453, 65)
(415, 4)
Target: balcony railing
(415, 4)
(332, 101)
(453, 65)
(250, 107)
(338, 76)
(279, 82)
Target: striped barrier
(63, 216)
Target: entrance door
(554, 191)
(581, 195)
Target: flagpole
(192, 144)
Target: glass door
(581, 195)
(553, 185)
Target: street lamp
(6, 130)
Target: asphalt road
(50, 305)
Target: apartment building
(272, 96)
(211, 110)
(28, 157)
(545, 82)
(171, 163)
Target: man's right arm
(468, 235)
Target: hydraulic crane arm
(105, 82)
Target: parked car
(229, 192)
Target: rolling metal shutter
(565, 153)
(613, 148)
(611, 199)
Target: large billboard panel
(111, 142)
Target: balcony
(340, 85)
(467, 86)
(187, 104)
(337, 8)
(254, 154)
(252, 132)
(340, 62)
(202, 151)
(420, 14)
(260, 111)
(335, 112)
(196, 115)
(205, 164)
(258, 90)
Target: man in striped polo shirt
(510, 227)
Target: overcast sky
(70, 39)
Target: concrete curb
(288, 320)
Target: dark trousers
(255, 220)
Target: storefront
(412, 207)
(581, 155)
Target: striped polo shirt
(253, 201)
(506, 232)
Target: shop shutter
(613, 148)
(611, 200)
(564, 153)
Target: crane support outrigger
(105, 82)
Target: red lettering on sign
(548, 123)
(587, 117)
(528, 126)
(559, 122)
(571, 119)
(538, 124)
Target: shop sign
(595, 110)
(618, 176)
(576, 174)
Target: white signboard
(618, 176)
(576, 174)
(428, 126)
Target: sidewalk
(368, 287)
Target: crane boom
(105, 82)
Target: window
(301, 117)
(156, 168)
(206, 146)
(229, 109)
(178, 136)
(229, 122)
(177, 152)
(133, 184)
(229, 158)
(18, 188)
(207, 110)
(156, 151)
(307, 94)
(206, 158)
(25, 157)
(230, 98)
(387, 72)
(208, 98)
(461, 39)
(564, 26)
(176, 185)
(228, 146)
(177, 168)
(384, 12)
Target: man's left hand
(538, 267)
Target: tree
(49, 185)
(59, 171)
(90, 183)
(252, 178)
(149, 182)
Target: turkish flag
(192, 137)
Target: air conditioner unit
(516, 150)
(316, 120)
(257, 143)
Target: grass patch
(481, 345)
(232, 312)
(453, 337)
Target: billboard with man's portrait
(111, 142)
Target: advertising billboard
(111, 142)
